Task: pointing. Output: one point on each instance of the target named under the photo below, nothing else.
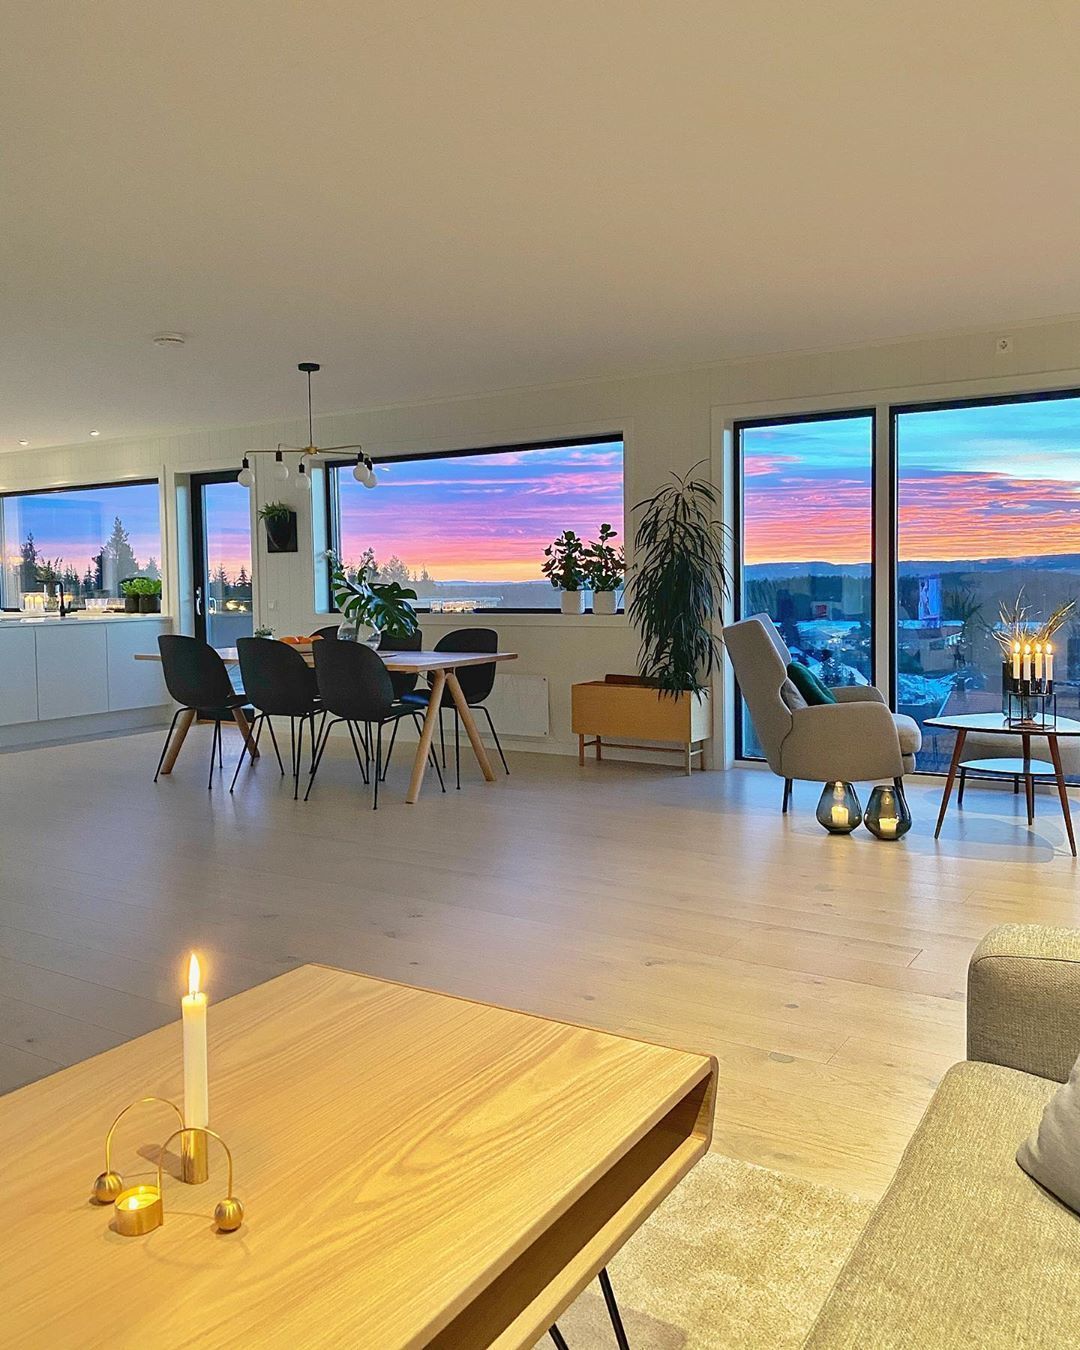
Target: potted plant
(129, 590)
(678, 584)
(263, 633)
(565, 569)
(605, 568)
(280, 522)
(370, 608)
(150, 595)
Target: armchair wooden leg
(787, 796)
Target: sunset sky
(483, 517)
(974, 482)
(74, 525)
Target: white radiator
(518, 705)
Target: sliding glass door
(988, 507)
(221, 554)
(807, 528)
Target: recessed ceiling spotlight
(24, 442)
(95, 433)
(168, 339)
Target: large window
(468, 530)
(89, 539)
(988, 498)
(806, 490)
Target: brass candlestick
(141, 1209)
(109, 1184)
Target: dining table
(440, 669)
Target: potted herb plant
(129, 590)
(149, 595)
(605, 568)
(564, 567)
(678, 584)
(280, 522)
(370, 607)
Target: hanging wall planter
(280, 524)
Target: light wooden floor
(826, 973)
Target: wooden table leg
(465, 712)
(245, 731)
(182, 729)
(423, 749)
(1059, 774)
(958, 750)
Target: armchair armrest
(857, 693)
(853, 741)
(1023, 999)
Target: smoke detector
(168, 340)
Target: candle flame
(193, 974)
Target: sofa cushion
(1050, 1155)
(965, 1249)
(793, 700)
(908, 731)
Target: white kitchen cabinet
(18, 677)
(72, 669)
(135, 684)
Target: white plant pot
(573, 602)
(603, 602)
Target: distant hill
(1048, 562)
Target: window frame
(738, 426)
(896, 411)
(82, 487)
(333, 501)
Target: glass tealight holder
(887, 814)
(838, 808)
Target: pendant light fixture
(363, 472)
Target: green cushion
(808, 684)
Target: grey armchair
(853, 740)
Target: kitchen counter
(61, 678)
(82, 616)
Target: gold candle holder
(141, 1209)
(228, 1213)
(109, 1184)
(194, 1155)
(138, 1210)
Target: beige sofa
(965, 1250)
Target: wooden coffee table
(1025, 768)
(416, 1169)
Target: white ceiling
(436, 197)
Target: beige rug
(736, 1257)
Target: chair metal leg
(495, 736)
(457, 747)
(168, 738)
(378, 765)
(960, 789)
(324, 736)
(557, 1336)
(220, 759)
(442, 736)
(393, 738)
(613, 1311)
(213, 753)
(299, 759)
(254, 731)
(898, 784)
(292, 746)
(360, 759)
(273, 739)
(787, 797)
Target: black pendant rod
(308, 367)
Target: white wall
(669, 421)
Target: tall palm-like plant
(679, 583)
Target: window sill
(514, 618)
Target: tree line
(114, 562)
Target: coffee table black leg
(1029, 782)
(960, 789)
(958, 750)
(1059, 774)
(613, 1311)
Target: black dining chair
(198, 679)
(328, 633)
(278, 682)
(476, 683)
(355, 688)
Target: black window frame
(896, 410)
(83, 487)
(738, 496)
(333, 515)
